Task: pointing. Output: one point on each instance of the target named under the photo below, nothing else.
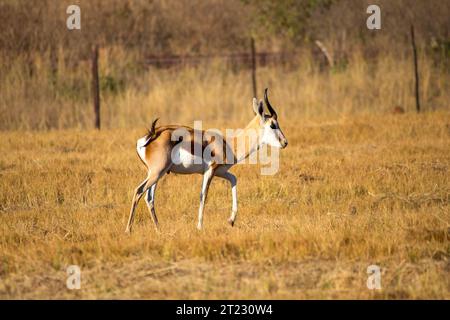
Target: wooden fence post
(95, 87)
(416, 69)
(255, 91)
(53, 64)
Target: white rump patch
(140, 148)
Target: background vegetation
(45, 78)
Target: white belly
(184, 161)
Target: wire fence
(242, 59)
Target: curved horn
(272, 112)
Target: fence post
(416, 69)
(95, 87)
(53, 64)
(253, 67)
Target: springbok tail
(151, 134)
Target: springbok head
(271, 132)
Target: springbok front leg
(207, 177)
(150, 199)
(233, 181)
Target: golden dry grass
(357, 185)
(351, 191)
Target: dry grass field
(351, 191)
(358, 184)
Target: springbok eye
(273, 126)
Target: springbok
(161, 154)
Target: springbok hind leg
(159, 162)
(150, 199)
(154, 175)
(136, 197)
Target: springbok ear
(255, 105)
(258, 108)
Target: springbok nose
(285, 143)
